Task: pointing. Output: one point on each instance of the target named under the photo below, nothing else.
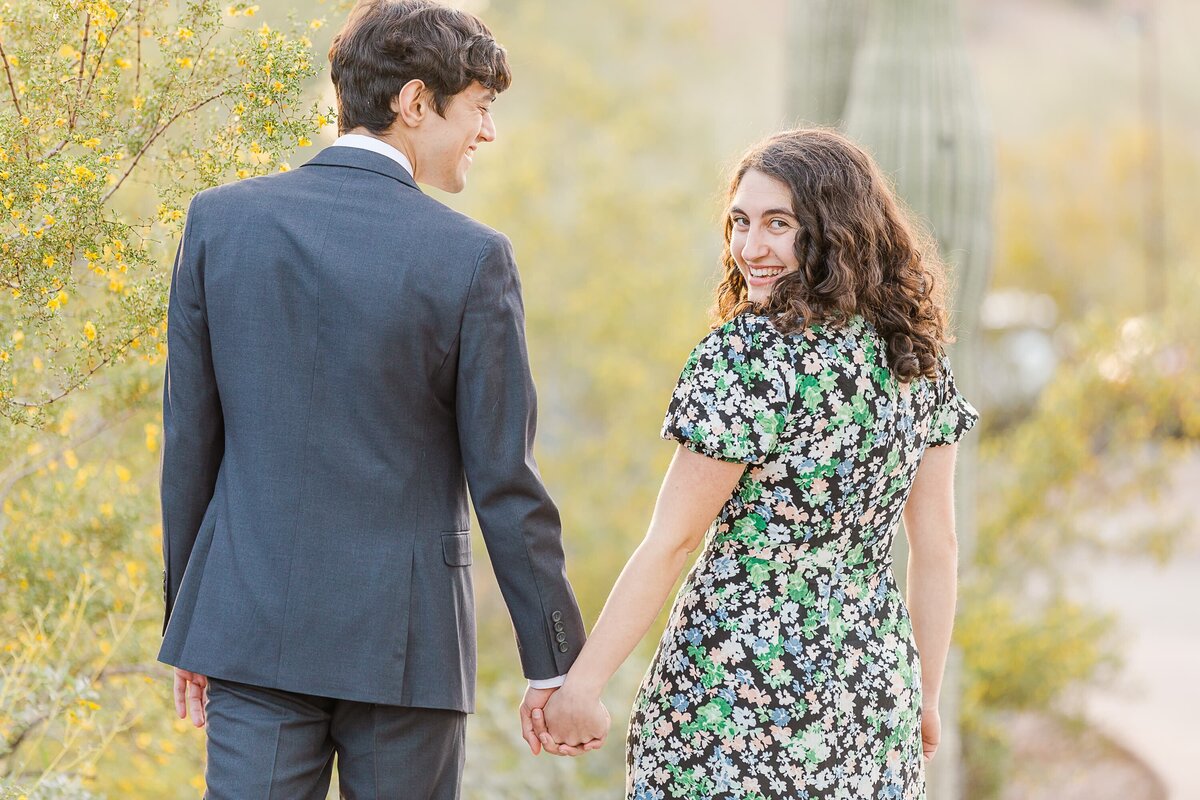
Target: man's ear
(411, 105)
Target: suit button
(562, 637)
(556, 616)
(562, 648)
(558, 626)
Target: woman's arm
(932, 576)
(693, 492)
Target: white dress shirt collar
(375, 146)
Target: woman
(819, 412)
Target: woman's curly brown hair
(858, 252)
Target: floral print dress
(788, 667)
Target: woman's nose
(754, 247)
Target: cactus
(911, 102)
(823, 37)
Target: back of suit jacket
(345, 356)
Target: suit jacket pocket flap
(456, 548)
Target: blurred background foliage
(608, 175)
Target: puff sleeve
(734, 397)
(953, 414)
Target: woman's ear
(411, 104)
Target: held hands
(572, 722)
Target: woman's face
(763, 238)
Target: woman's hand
(572, 722)
(931, 731)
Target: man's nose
(487, 131)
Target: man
(346, 357)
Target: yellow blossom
(303, 141)
(138, 101)
(284, 167)
(49, 261)
(89, 330)
(123, 63)
(184, 33)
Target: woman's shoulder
(746, 336)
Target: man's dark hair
(387, 43)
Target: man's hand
(191, 689)
(572, 723)
(534, 699)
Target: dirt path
(1154, 711)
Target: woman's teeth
(765, 273)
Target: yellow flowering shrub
(113, 113)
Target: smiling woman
(820, 411)
(763, 239)
(814, 232)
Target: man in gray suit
(346, 357)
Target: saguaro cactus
(911, 102)
(823, 39)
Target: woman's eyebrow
(770, 212)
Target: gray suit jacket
(345, 357)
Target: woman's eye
(779, 224)
(741, 221)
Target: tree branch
(104, 49)
(81, 381)
(87, 33)
(11, 86)
(137, 76)
(141, 152)
(80, 102)
(151, 671)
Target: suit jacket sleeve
(193, 426)
(496, 412)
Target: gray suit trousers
(270, 744)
